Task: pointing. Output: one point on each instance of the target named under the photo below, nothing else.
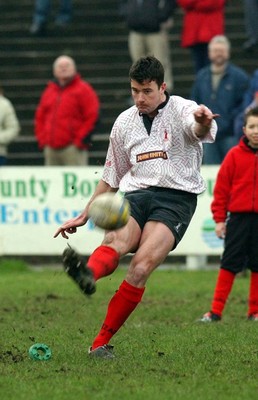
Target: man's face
(64, 70)
(147, 96)
(251, 130)
(219, 53)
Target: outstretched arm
(71, 225)
(203, 119)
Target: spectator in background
(66, 116)
(203, 19)
(9, 126)
(149, 22)
(220, 86)
(250, 101)
(41, 13)
(251, 25)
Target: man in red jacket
(203, 19)
(235, 211)
(66, 116)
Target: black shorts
(241, 248)
(173, 208)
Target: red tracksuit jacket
(236, 188)
(66, 115)
(203, 19)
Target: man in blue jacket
(220, 86)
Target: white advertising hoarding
(35, 201)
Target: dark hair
(147, 69)
(249, 113)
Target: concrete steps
(97, 39)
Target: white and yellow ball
(109, 211)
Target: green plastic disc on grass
(40, 352)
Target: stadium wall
(34, 201)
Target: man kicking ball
(154, 157)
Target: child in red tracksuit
(235, 211)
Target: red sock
(223, 288)
(103, 261)
(120, 307)
(253, 294)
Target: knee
(109, 238)
(112, 239)
(234, 269)
(138, 274)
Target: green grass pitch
(162, 353)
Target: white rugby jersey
(170, 156)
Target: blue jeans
(200, 56)
(251, 17)
(43, 7)
(214, 153)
